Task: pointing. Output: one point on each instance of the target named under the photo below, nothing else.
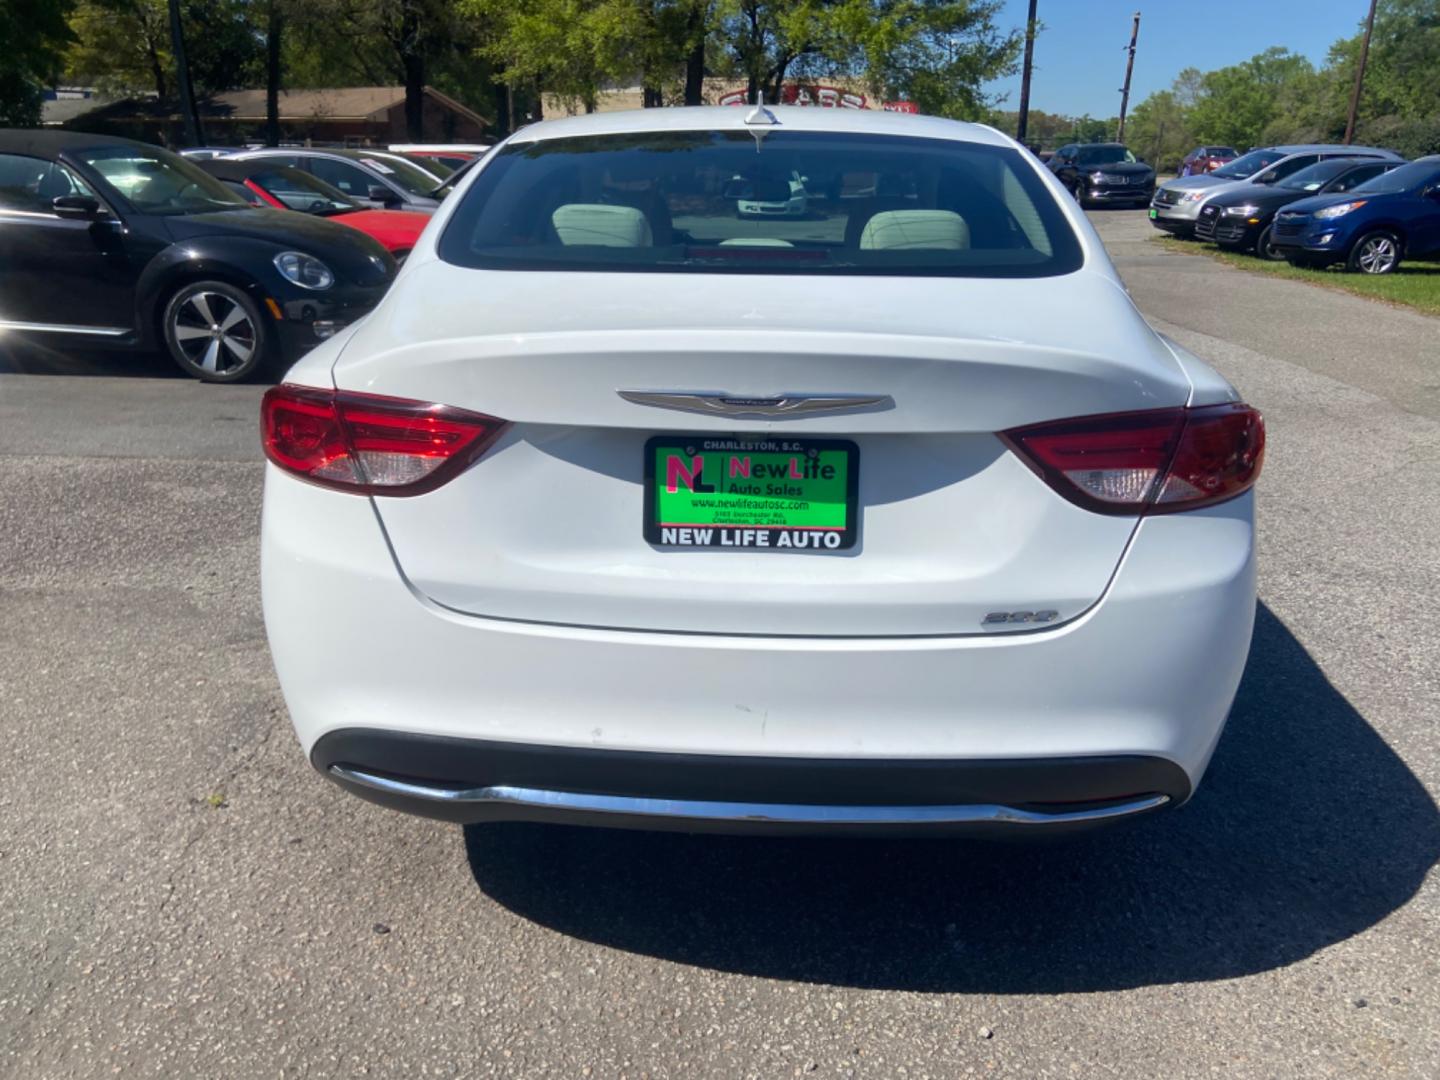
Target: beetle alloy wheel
(214, 331)
(1377, 255)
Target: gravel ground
(181, 896)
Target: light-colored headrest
(935, 230)
(601, 225)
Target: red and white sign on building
(813, 96)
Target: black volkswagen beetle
(1103, 174)
(106, 241)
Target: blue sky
(1080, 53)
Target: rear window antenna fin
(760, 114)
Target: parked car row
(1312, 205)
(115, 243)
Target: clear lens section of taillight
(370, 444)
(1219, 456)
(1158, 461)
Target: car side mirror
(1433, 194)
(1266, 178)
(382, 194)
(77, 207)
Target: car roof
(440, 148)
(239, 168)
(787, 118)
(1328, 148)
(295, 151)
(56, 141)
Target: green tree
(35, 35)
(1237, 103)
(123, 46)
(575, 48)
(937, 53)
(1158, 130)
(414, 43)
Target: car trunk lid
(950, 527)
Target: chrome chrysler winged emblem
(778, 407)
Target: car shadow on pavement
(62, 357)
(1308, 830)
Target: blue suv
(1371, 227)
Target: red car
(266, 183)
(1204, 159)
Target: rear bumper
(374, 674)
(471, 780)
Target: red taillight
(368, 444)
(1156, 462)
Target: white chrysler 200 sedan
(623, 508)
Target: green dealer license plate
(777, 494)
(1154, 214)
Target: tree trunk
(695, 60)
(274, 27)
(651, 97)
(157, 70)
(756, 59)
(501, 107)
(412, 62)
(415, 98)
(772, 91)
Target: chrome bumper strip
(739, 812)
(64, 328)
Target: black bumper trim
(1029, 784)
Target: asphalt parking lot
(181, 896)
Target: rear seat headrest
(897, 230)
(601, 225)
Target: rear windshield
(1415, 175)
(412, 179)
(1104, 155)
(1249, 165)
(771, 202)
(301, 191)
(1314, 177)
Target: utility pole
(193, 133)
(1125, 90)
(1360, 75)
(1024, 121)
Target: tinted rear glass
(400, 171)
(774, 202)
(1104, 155)
(1314, 177)
(1248, 165)
(1412, 176)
